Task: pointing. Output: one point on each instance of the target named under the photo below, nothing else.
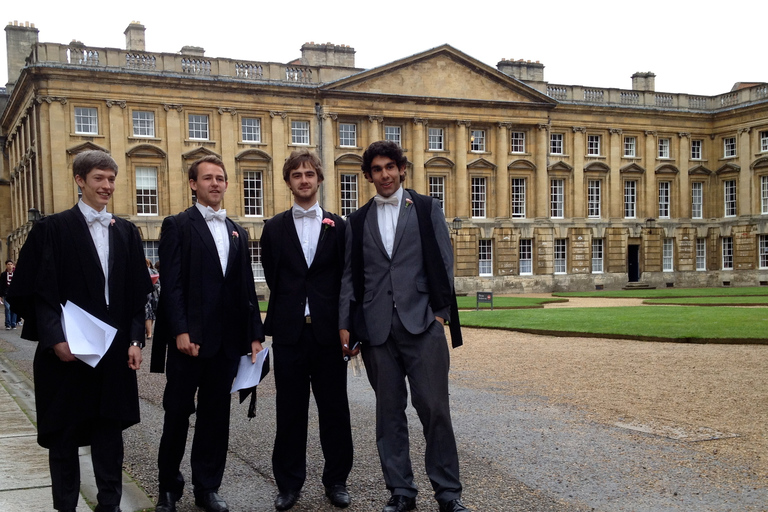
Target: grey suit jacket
(399, 282)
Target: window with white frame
(485, 257)
(435, 140)
(87, 120)
(663, 148)
(526, 257)
(348, 191)
(729, 199)
(630, 199)
(151, 250)
(630, 147)
(477, 141)
(300, 133)
(664, 198)
(250, 129)
(701, 253)
(763, 194)
(597, 255)
(254, 249)
(437, 190)
(347, 135)
(556, 144)
(561, 253)
(593, 145)
(557, 198)
(763, 251)
(517, 143)
(696, 146)
(667, 255)
(518, 198)
(198, 126)
(729, 147)
(593, 199)
(697, 200)
(764, 141)
(478, 198)
(143, 123)
(727, 243)
(253, 193)
(146, 191)
(394, 134)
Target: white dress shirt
(308, 223)
(218, 227)
(100, 236)
(387, 215)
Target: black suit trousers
(297, 367)
(211, 378)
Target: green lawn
(712, 324)
(470, 302)
(672, 292)
(713, 301)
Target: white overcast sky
(693, 47)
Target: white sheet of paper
(248, 373)
(89, 338)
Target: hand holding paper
(88, 337)
(249, 373)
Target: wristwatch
(136, 344)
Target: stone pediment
(632, 168)
(667, 169)
(441, 72)
(198, 153)
(481, 163)
(521, 165)
(560, 166)
(350, 159)
(597, 167)
(253, 155)
(86, 146)
(728, 168)
(439, 161)
(699, 170)
(145, 151)
(760, 163)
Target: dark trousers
(211, 378)
(297, 367)
(107, 458)
(425, 361)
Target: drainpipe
(319, 113)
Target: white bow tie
(386, 200)
(104, 218)
(299, 214)
(210, 213)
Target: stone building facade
(557, 187)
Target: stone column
(577, 208)
(278, 195)
(463, 206)
(419, 178)
(744, 204)
(651, 203)
(123, 199)
(502, 175)
(330, 190)
(541, 205)
(177, 175)
(60, 181)
(615, 197)
(683, 152)
(233, 198)
(374, 130)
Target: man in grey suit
(397, 293)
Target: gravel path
(543, 424)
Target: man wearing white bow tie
(208, 316)
(87, 257)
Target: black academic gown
(59, 263)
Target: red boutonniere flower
(235, 235)
(408, 202)
(112, 222)
(327, 223)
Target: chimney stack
(644, 81)
(523, 70)
(134, 37)
(19, 42)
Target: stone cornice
(277, 113)
(170, 106)
(230, 110)
(373, 119)
(579, 129)
(50, 99)
(120, 103)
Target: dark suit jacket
(291, 282)
(218, 311)
(400, 279)
(59, 263)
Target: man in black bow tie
(93, 260)
(303, 257)
(208, 316)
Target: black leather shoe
(453, 506)
(211, 502)
(338, 495)
(399, 503)
(166, 502)
(107, 508)
(286, 500)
